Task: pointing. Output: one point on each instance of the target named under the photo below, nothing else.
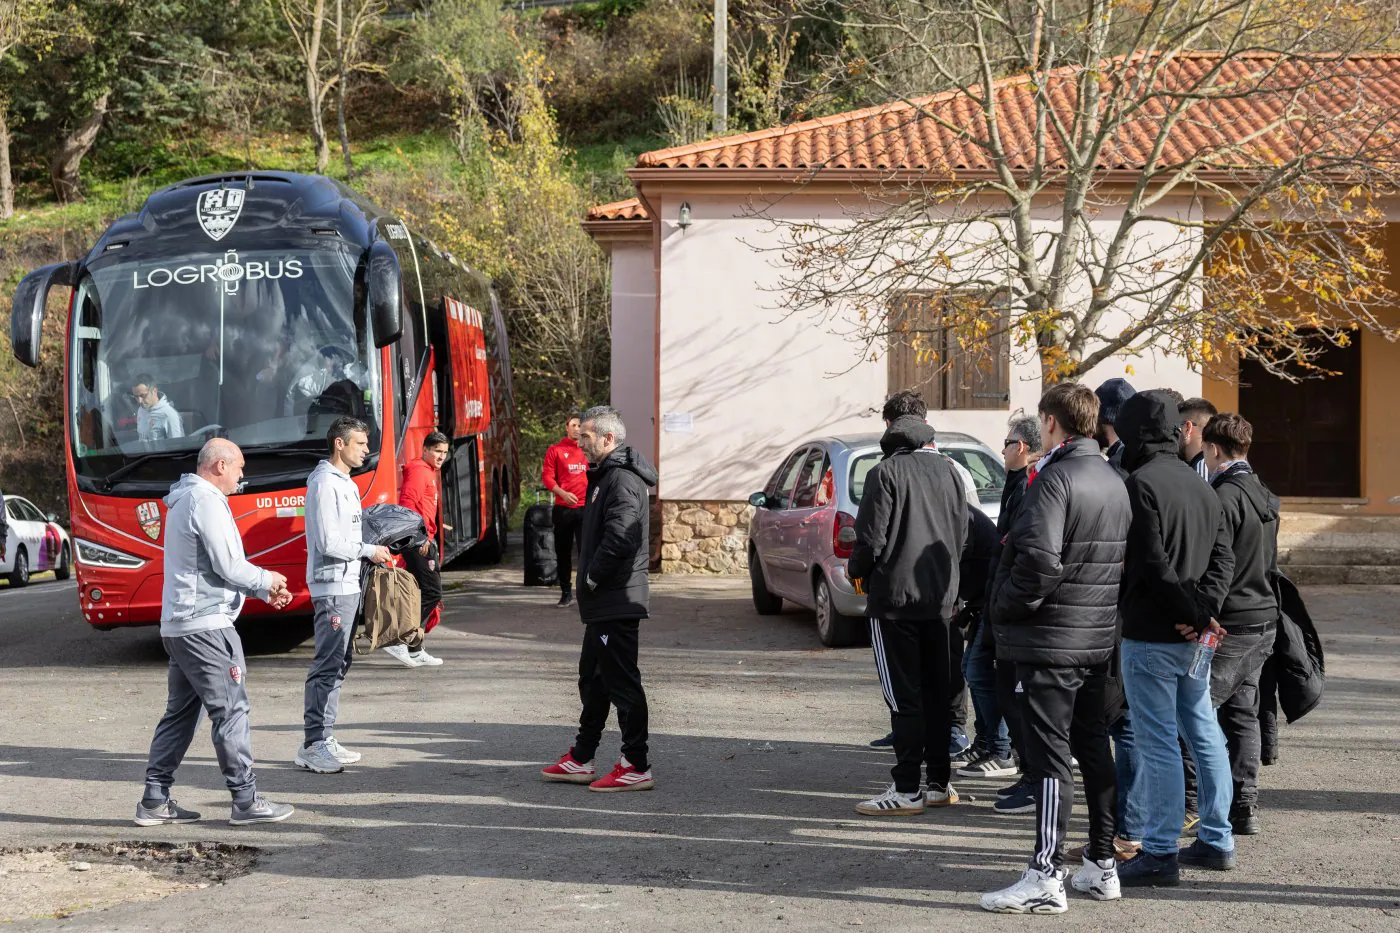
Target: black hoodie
(1178, 565)
(911, 528)
(1251, 514)
(613, 547)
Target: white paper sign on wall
(678, 422)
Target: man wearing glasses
(156, 418)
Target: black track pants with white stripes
(1064, 712)
(915, 666)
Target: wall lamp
(684, 220)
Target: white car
(35, 543)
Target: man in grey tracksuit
(334, 549)
(206, 579)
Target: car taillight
(843, 535)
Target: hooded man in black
(1251, 609)
(1176, 574)
(613, 597)
(911, 530)
(1053, 606)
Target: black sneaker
(1204, 855)
(1012, 790)
(1146, 870)
(566, 600)
(1023, 801)
(1245, 821)
(988, 766)
(886, 742)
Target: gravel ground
(758, 738)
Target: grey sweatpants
(335, 622)
(206, 669)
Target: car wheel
(764, 602)
(64, 570)
(835, 629)
(20, 575)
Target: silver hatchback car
(804, 526)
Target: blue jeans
(979, 670)
(1130, 816)
(1163, 698)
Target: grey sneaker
(168, 812)
(261, 810)
(342, 754)
(319, 759)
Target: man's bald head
(221, 463)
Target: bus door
(465, 489)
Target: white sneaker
(400, 653)
(342, 754)
(318, 759)
(893, 803)
(1099, 880)
(936, 796)
(1035, 893)
(424, 659)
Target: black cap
(1112, 394)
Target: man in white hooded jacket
(334, 549)
(206, 579)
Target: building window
(926, 337)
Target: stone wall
(705, 537)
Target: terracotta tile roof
(631, 209)
(933, 135)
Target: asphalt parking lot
(759, 748)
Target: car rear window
(988, 475)
(860, 469)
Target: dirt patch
(59, 881)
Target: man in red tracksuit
(565, 475)
(420, 492)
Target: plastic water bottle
(1205, 650)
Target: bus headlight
(98, 555)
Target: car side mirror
(384, 283)
(758, 500)
(27, 312)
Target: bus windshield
(264, 347)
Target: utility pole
(721, 78)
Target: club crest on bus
(148, 514)
(218, 210)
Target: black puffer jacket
(911, 528)
(1179, 565)
(1054, 599)
(1251, 515)
(613, 543)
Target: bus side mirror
(384, 282)
(27, 316)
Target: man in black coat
(1053, 606)
(613, 595)
(1175, 577)
(911, 529)
(1250, 612)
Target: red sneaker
(569, 770)
(624, 777)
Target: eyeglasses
(1009, 442)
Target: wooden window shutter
(927, 357)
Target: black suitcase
(541, 567)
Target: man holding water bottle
(1176, 574)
